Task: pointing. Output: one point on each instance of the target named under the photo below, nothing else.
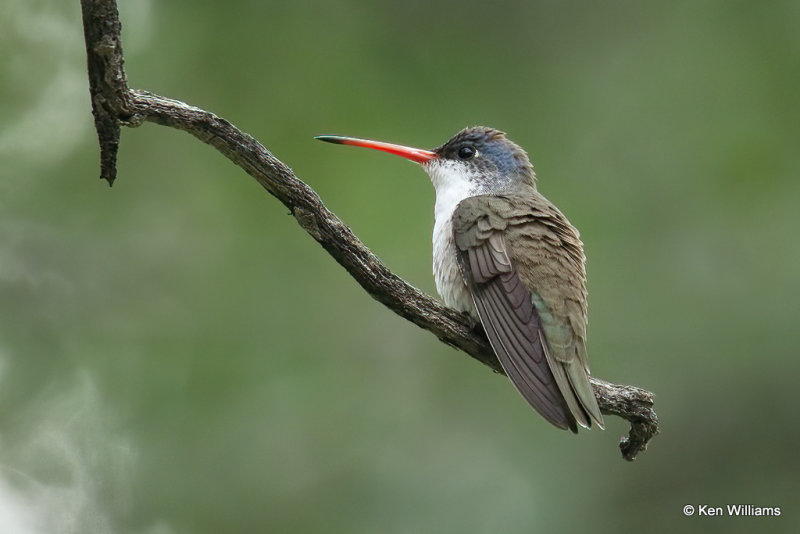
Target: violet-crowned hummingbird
(506, 256)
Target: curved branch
(115, 104)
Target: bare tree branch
(115, 104)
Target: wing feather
(517, 313)
(526, 369)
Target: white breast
(452, 186)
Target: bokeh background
(178, 356)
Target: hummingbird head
(477, 160)
(484, 158)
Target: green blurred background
(178, 356)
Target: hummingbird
(508, 258)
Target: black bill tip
(335, 139)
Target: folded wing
(523, 262)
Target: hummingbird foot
(477, 327)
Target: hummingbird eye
(466, 152)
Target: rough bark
(114, 104)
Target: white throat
(452, 185)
